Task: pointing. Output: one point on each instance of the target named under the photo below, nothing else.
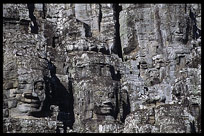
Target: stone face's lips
(106, 109)
(30, 100)
(35, 105)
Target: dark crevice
(185, 40)
(44, 10)
(87, 30)
(158, 24)
(24, 22)
(34, 25)
(117, 49)
(146, 89)
(126, 109)
(53, 42)
(196, 30)
(116, 91)
(191, 28)
(185, 8)
(99, 18)
(192, 125)
(61, 96)
(115, 76)
(10, 20)
(125, 103)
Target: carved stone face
(105, 101)
(33, 96)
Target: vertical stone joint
(44, 10)
(117, 49)
(34, 25)
(87, 30)
(99, 18)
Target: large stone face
(130, 68)
(96, 89)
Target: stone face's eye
(111, 95)
(40, 87)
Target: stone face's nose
(107, 102)
(28, 88)
(27, 95)
(34, 94)
(29, 98)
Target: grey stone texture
(101, 68)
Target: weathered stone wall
(160, 43)
(130, 68)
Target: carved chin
(24, 108)
(36, 108)
(28, 108)
(104, 110)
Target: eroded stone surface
(118, 68)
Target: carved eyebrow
(23, 82)
(40, 81)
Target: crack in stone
(117, 49)
(34, 25)
(99, 18)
